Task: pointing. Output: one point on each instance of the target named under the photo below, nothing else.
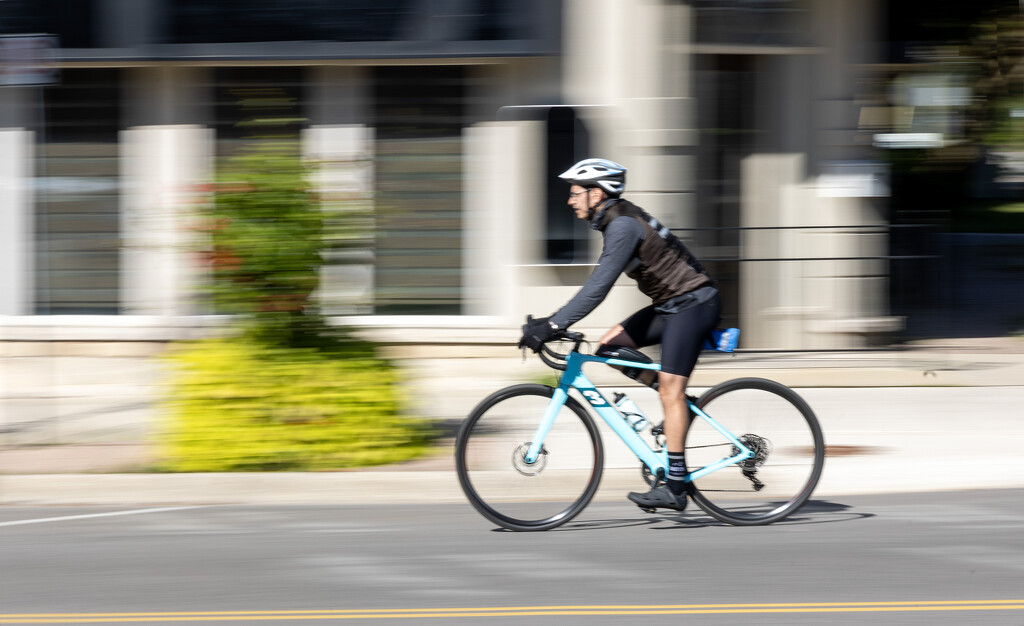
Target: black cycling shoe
(659, 498)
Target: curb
(841, 477)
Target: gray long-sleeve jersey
(621, 238)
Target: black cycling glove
(536, 332)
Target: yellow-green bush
(237, 404)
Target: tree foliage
(267, 232)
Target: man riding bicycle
(685, 304)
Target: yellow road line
(524, 611)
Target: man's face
(581, 200)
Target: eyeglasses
(573, 194)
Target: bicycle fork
(550, 413)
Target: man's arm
(621, 238)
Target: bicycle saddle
(626, 354)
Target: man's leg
(672, 389)
(673, 400)
(672, 495)
(617, 336)
(681, 339)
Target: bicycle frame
(656, 461)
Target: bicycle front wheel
(779, 427)
(490, 460)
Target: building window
(566, 142)
(419, 117)
(78, 194)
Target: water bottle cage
(631, 412)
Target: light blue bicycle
(530, 457)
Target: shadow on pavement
(813, 512)
(824, 512)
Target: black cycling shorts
(680, 329)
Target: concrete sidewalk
(940, 416)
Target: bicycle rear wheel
(779, 427)
(489, 459)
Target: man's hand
(536, 332)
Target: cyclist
(684, 310)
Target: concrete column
(166, 159)
(630, 54)
(16, 229)
(502, 248)
(340, 144)
(853, 295)
(340, 96)
(835, 301)
(167, 95)
(19, 111)
(770, 305)
(164, 169)
(845, 30)
(594, 58)
(344, 176)
(21, 107)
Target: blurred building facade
(741, 122)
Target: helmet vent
(602, 173)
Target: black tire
(772, 419)
(501, 486)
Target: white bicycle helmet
(606, 174)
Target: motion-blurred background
(851, 171)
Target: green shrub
(288, 391)
(241, 405)
(266, 229)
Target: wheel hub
(528, 469)
(761, 448)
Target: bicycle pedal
(647, 509)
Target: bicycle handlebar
(546, 354)
(557, 360)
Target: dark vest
(662, 266)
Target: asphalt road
(946, 558)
